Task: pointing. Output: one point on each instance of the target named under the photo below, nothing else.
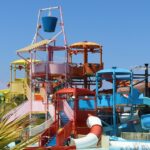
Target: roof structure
(34, 46)
(23, 62)
(41, 46)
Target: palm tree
(14, 131)
(10, 132)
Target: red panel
(83, 130)
(81, 121)
(38, 97)
(64, 134)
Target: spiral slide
(91, 139)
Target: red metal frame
(79, 122)
(76, 91)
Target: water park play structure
(79, 113)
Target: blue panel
(86, 104)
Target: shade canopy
(34, 46)
(41, 46)
(23, 62)
(85, 44)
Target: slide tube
(92, 138)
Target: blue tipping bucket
(49, 23)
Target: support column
(114, 102)
(31, 94)
(47, 80)
(15, 72)
(131, 91)
(11, 79)
(85, 63)
(101, 58)
(50, 54)
(146, 80)
(97, 87)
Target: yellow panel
(17, 87)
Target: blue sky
(121, 26)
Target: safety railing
(51, 67)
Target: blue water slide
(145, 122)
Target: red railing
(47, 134)
(63, 134)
